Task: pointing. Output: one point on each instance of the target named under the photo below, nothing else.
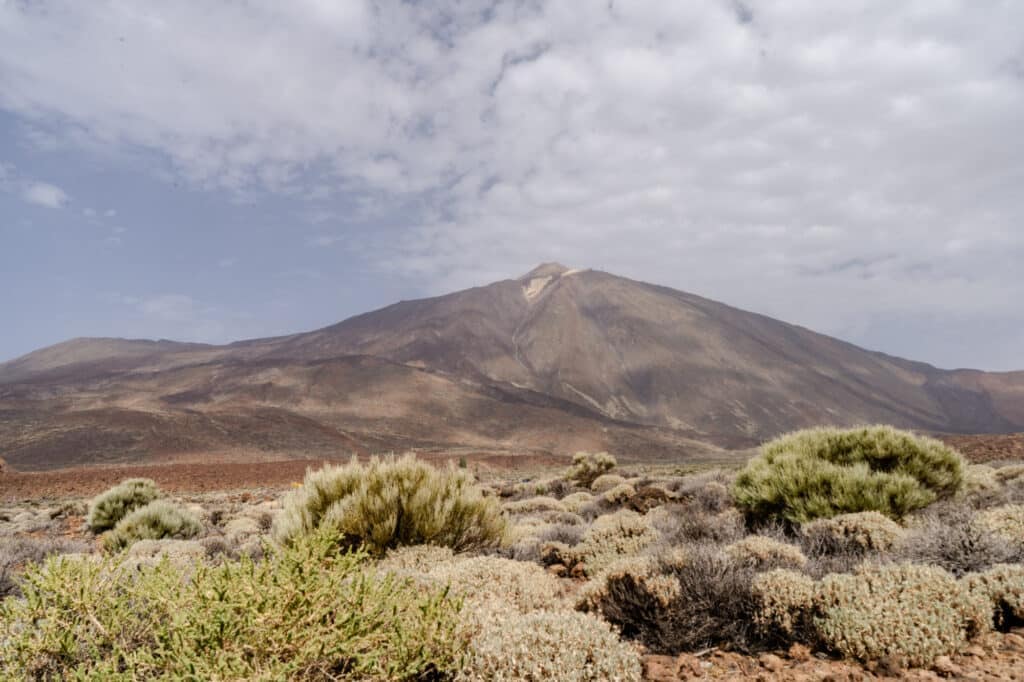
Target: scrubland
(867, 552)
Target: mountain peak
(546, 270)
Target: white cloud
(169, 308)
(804, 159)
(45, 194)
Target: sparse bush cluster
(866, 543)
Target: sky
(216, 171)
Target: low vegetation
(392, 502)
(821, 473)
(113, 505)
(394, 569)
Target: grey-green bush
(157, 520)
(109, 507)
(392, 502)
(823, 472)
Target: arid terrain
(554, 362)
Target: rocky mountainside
(554, 361)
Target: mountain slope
(554, 361)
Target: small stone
(799, 652)
(660, 668)
(558, 570)
(771, 662)
(945, 666)
(887, 666)
(975, 650)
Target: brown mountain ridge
(555, 361)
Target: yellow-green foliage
(606, 482)
(560, 646)
(784, 599)
(533, 505)
(610, 537)
(1007, 522)
(763, 553)
(1002, 587)
(586, 467)
(619, 494)
(914, 612)
(307, 612)
(109, 507)
(392, 502)
(1012, 472)
(979, 481)
(861, 532)
(820, 473)
(157, 520)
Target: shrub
(109, 507)
(155, 521)
(856, 533)
(681, 523)
(624, 533)
(485, 579)
(574, 501)
(606, 482)
(307, 612)
(392, 502)
(820, 473)
(709, 603)
(17, 554)
(950, 537)
(783, 599)
(913, 612)
(564, 646)
(981, 487)
(586, 467)
(1002, 587)
(620, 494)
(763, 553)
(1010, 473)
(1007, 522)
(533, 505)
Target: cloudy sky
(214, 171)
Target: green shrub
(913, 612)
(109, 507)
(392, 502)
(157, 520)
(564, 646)
(784, 600)
(532, 505)
(606, 482)
(820, 473)
(856, 533)
(587, 467)
(307, 612)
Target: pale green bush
(1002, 587)
(784, 600)
(559, 646)
(307, 612)
(1006, 521)
(820, 473)
(392, 502)
(483, 579)
(586, 467)
(534, 505)
(860, 532)
(109, 507)
(606, 482)
(1010, 473)
(610, 537)
(913, 612)
(574, 501)
(157, 520)
(763, 553)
